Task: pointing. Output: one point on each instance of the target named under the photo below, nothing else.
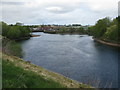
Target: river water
(78, 57)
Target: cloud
(58, 11)
(12, 3)
(55, 9)
(103, 5)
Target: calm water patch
(79, 58)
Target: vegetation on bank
(11, 33)
(17, 77)
(107, 30)
(15, 32)
(67, 30)
(72, 30)
(11, 47)
(18, 73)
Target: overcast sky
(85, 12)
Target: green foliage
(5, 28)
(72, 30)
(106, 29)
(24, 30)
(91, 30)
(15, 31)
(118, 25)
(101, 27)
(81, 30)
(112, 33)
(17, 77)
(11, 47)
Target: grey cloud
(12, 3)
(60, 8)
(64, 13)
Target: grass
(11, 47)
(18, 73)
(16, 77)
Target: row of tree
(72, 30)
(15, 31)
(106, 29)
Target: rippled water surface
(75, 56)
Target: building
(19, 24)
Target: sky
(85, 12)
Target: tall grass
(11, 47)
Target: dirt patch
(35, 35)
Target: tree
(112, 33)
(101, 27)
(14, 32)
(25, 31)
(5, 28)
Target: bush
(112, 33)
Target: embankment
(106, 43)
(45, 74)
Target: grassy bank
(11, 47)
(21, 74)
(17, 77)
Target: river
(78, 57)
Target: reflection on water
(75, 56)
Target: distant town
(53, 27)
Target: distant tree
(91, 30)
(76, 25)
(71, 30)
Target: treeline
(11, 33)
(15, 31)
(71, 30)
(106, 29)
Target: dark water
(79, 58)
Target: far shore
(107, 43)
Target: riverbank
(41, 72)
(26, 38)
(106, 43)
(64, 33)
(33, 35)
